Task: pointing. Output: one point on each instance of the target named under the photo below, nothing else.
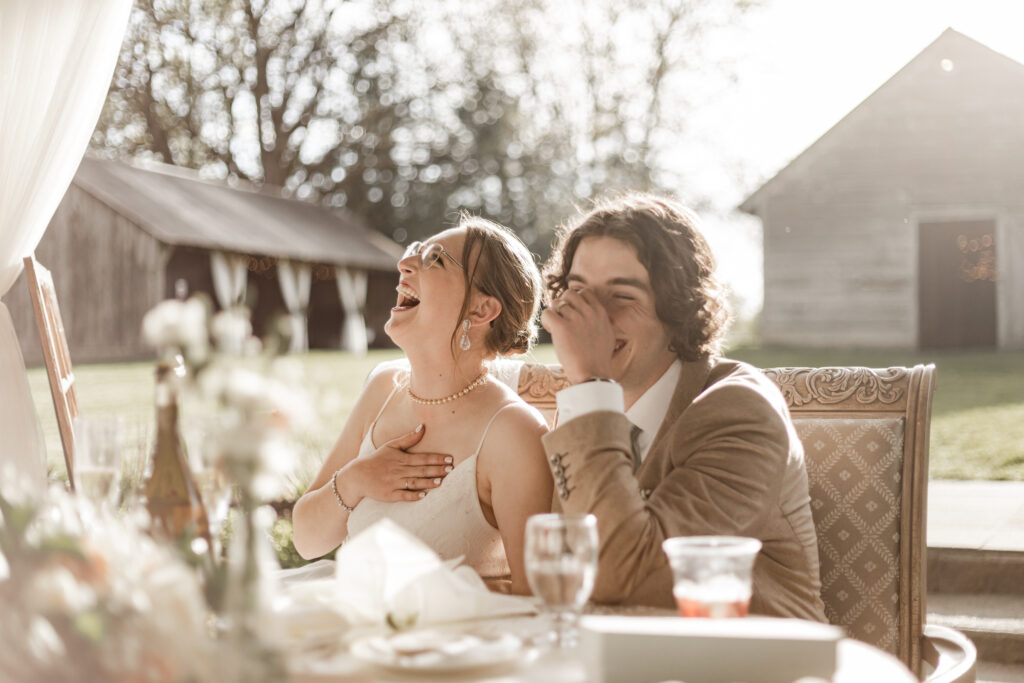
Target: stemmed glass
(211, 480)
(561, 565)
(98, 459)
(135, 465)
(215, 490)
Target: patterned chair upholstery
(868, 476)
(865, 437)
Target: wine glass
(98, 459)
(215, 488)
(135, 463)
(215, 491)
(561, 565)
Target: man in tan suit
(658, 436)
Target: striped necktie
(634, 444)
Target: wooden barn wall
(840, 259)
(852, 285)
(107, 272)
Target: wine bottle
(172, 497)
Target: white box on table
(621, 649)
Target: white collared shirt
(647, 413)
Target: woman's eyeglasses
(430, 254)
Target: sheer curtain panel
(230, 273)
(352, 292)
(56, 59)
(296, 280)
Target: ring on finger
(408, 486)
(559, 305)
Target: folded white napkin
(385, 575)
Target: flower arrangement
(253, 398)
(90, 596)
(253, 395)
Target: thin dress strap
(369, 432)
(488, 427)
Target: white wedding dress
(449, 518)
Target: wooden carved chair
(865, 437)
(56, 356)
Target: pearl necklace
(458, 394)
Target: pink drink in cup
(712, 574)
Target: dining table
(537, 660)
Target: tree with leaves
(405, 112)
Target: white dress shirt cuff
(589, 397)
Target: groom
(659, 436)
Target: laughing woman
(443, 448)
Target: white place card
(618, 649)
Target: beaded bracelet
(334, 487)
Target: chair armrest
(949, 655)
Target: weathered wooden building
(125, 238)
(903, 225)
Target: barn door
(957, 284)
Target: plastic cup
(712, 574)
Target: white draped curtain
(352, 292)
(230, 275)
(296, 280)
(56, 59)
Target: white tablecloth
(857, 662)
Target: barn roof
(177, 208)
(949, 41)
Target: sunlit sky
(801, 66)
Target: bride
(442, 447)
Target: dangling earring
(464, 339)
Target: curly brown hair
(668, 241)
(498, 264)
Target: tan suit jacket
(726, 460)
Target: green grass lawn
(977, 413)
(977, 424)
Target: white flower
(44, 643)
(231, 331)
(160, 323)
(291, 405)
(213, 380)
(55, 590)
(193, 322)
(174, 325)
(247, 390)
(277, 456)
(253, 347)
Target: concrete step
(976, 514)
(990, 672)
(994, 622)
(962, 570)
